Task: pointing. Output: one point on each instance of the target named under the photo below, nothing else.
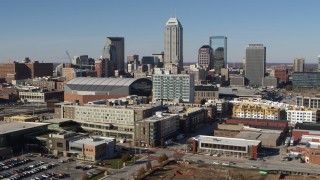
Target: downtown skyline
(44, 30)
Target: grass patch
(98, 176)
(116, 162)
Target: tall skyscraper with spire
(173, 43)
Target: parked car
(226, 164)
(216, 163)
(254, 167)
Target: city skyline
(43, 31)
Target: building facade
(219, 47)
(224, 145)
(169, 87)
(114, 51)
(255, 64)
(298, 65)
(110, 121)
(173, 43)
(250, 110)
(306, 79)
(282, 74)
(41, 97)
(308, 102)
(156, 130)
(204, 93)
(92, 148)
(205, 57)
(300, 115)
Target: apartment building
(111, 121)
(41, 96)
(251, 110)
(301, 114)
(155, 130)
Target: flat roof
(226, 141)
(9, 127)
(269, 136)
(93, 141)
(158, 118)
(248, 135)
(57, 120)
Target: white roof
(226, 141)
(173, 21)
(93, 141)
(9, 127)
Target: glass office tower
(219, 46)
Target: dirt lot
(205, 172)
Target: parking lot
(37, 167)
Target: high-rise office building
(298, 65)
(205, 57)
(255, 64)
(219, 47)
(114, 51)
(173, 43)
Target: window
(59, 144)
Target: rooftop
(248, 135)
(159, 117)
(93, 141)
(57, 121)
(226, 141)
(9, 127)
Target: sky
(44, 30)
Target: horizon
(43, 31)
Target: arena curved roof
(99, 84)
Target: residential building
(111, 121)
(69, 73)
(92, 148)
(308, 102)
(250, 110)
(156, 130)
(311, 153)
(114, 51)
(223, 145)
(169, 87)
(191, 118)
(87, 89)
(301, 115)
(298, 65)
(219, 47)
(205, 57)
(255, 64)
(173, 43)
(306, 79)
(222, 106)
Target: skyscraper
(298, 65)
(205, 57)
(114, 51)
(219, 46)
(255, 64)
(173, 43)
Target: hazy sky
(44, 30)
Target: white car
(225, 164)
(215, 163)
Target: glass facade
(219, 46)
(306, 79)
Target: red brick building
(282, 74)
(223, 145)
(260, 123)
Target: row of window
(221, 146)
